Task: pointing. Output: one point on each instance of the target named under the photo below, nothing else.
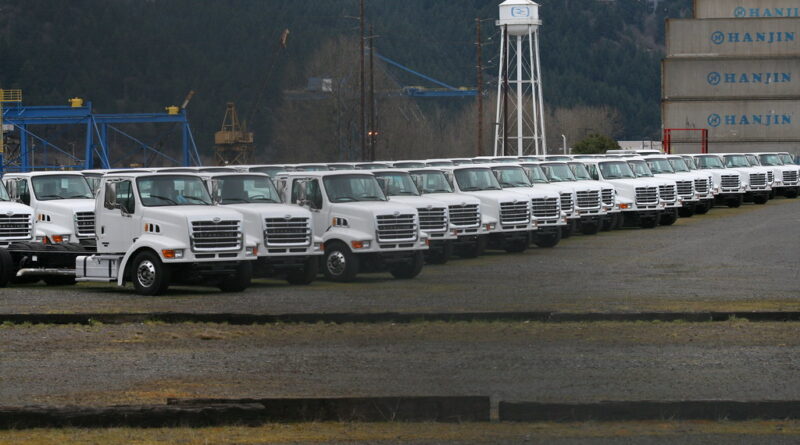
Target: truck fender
(48, 229)
(151, 242)
(346, 235)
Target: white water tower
(520, 109)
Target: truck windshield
(432, 182)
(753, 161)
(398, 184)
(51, 187)
(659, 166)
(678, 164)
(442, 164)
(352, 188)
(787, 159)
(245, 189)
(511, 177)
(736, 161)
(476, 179)
(689, 162)
(3, 193)
(93, 180)
(706, 162)
(770, 160)
(580, 172)
(616, 170)
(640, 169)
(164, 191)
(558, 172)
(536, 174)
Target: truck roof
(41, 173)
(330, 173)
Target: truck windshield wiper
(53, 196)
(235, 200)
(78, 196)
(372, 198)
(470, 189)
(164, 198)
(194, 198)
(344, 199)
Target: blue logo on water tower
(714, 120)
(520, 11)
(714, 78)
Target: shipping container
(715, 78)
(733, 37)
(736, 147)
(745, 9)
(736, 120)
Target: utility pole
(372, 131)
(364, 155)
(478, 149)
(505, 89)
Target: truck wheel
(687, 211)
(474, 250)
(406, 271)
(240, 280)
(307, 274)
(149, 274)
(735, 202)
(549, 240)
(518, 246)
(340, 263)
(440, 256)
(590, 228)
(772, 194)
(568, 230)
(6, 267)
(791, 193)
(702, 208)
(59, 281)
(649, 223)
(760, 199)
(668, 219)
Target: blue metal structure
(97, 128)
(445, 91)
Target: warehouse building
(734, 70)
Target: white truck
(361, 229)
(62, 202)
(638, 198)
(729, 187)
(547, 218)
(786, 174)
(16, 220)
(757, 186)
(283, 232)
(434, 218)
(612, 218)
(153, 229)
(464, 211)
(587, 205)
(506, 214)
(667, 190)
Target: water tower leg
(538, 92)
(501, 66)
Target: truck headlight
(360, 244)
(251, 251)
(59, 239)
(319, 247)
(172, 254)
(624, 206)
(490, 227)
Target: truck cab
(638, 198)
(729, 186)
(362, 230)
(667, 190)
(703, 182)
(587, 204)
(62, 203)
(688, 184)
(756, 179)
(786, 174)
(506, 214)
(16, 220)
(613, 215)
(434, 218)
(283, 232)
(546, 215)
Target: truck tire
(240, 280)
(440, 256)
(473, 250)
(518, 246)
(6, 267)
(406, 271)
(549, 240)
(149, 274)
(307, 274)
(760, 199)
(59, 281)
(568, 230)
(791, 193)
(702, 208)
(648, 223)
(607, 223)
(668, 219)
(590, 228)
(735, 202)
(340, 264)
(687, 211)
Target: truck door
(119, 219)
(312, 201)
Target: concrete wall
(733, 37)
(745, 9)
(714, 78)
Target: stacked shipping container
(735, 70)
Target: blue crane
(417, 91)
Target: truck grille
(730, 182)
(685, 189)
(209, 236)
(770, 177)
(465, 215)
(433, 220)
(646, 196)
(667, 193)
(566, 202)
(397, 228)
(512, 213)
(758, 180)
(608, 197)
(790, 177)
(15, 227)
(84, 224)
(545, 208)
(283, 232)
(701, 186)
(588, 199)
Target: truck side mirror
(419, 182)
(301, 197)
(110, 197)
(215, 192)
(12, 190)
(383, 183)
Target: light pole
(564, 141)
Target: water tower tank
(519, 15)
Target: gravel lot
(730, 259)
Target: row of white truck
(221, 226)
